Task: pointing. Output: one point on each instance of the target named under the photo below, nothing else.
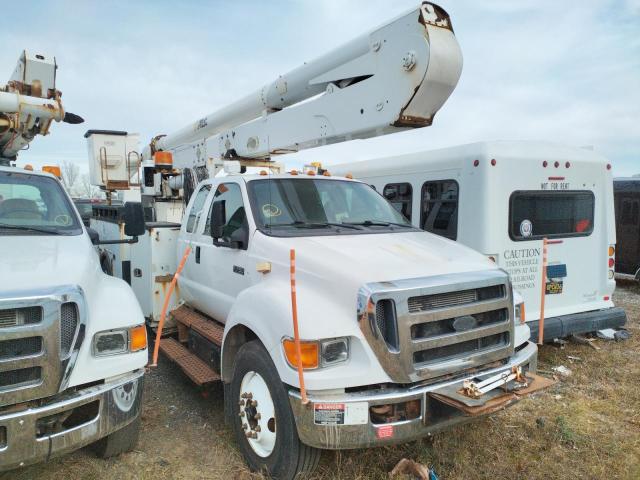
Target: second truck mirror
(133, 217)
(217, 219)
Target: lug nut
(249, 395)
(245, 426)
(254, 403)
(257, 416)
(257, 429)
(241, 403)
(241, 414)
(253, 435)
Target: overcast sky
(562, 71)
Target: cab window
(400, 195)
(235, 214)
(439, 208)
(196, 208)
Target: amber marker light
(137, 338)
(309, 352)
(53, 170)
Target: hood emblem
(464, 323)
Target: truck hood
(36, 261)
(379, 257)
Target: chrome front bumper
(20, 445)
(364, 434)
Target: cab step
(196, 369)
(205, 326)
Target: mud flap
(491, 401)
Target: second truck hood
(31, 262)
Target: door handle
(197, 254)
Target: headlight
(125, 340)
(334, 351)
(323, 353)
(520, 314)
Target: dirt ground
(587, 426)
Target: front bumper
(20, 443)
(434, 416)
(583, 322)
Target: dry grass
(587, 426)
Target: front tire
(262, 420)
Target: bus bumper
(565, 325)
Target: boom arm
(29, 103)
(395, 77)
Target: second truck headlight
(124, 340)
(323, 353)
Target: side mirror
(239, 238)
(217, 219)
(133, 217)
(93, 236)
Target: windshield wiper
(375, 223)
(27, 228)
(301, 224)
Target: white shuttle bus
(502, 199)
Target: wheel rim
(257, 414)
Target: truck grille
(442, 325)
(20, 378)
(39, 333)
(451, 299)
(68, 326)
(20, 347)
(13, 317)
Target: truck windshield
(300, 206)
(35, 205)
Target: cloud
(566, 72)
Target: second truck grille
(68, 326)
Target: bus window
(400, 196)
(536, 214)
(439, 210)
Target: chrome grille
(445, 324)
(37, 351)
(20, 347)
(451, 299)
(20, 378)
(13, 317)
(68, 327)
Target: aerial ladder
(29, 104)
(392, 78)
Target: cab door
(221, 268)
(190, 289)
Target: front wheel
(262, 421)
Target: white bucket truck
(401, 332)
(73, 342)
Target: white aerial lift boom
(395, 77)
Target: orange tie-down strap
(498, 402)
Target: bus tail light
(612, 261)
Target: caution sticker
(355, 413)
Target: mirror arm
(115, 242)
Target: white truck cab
(393, 321)
(72, 339)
